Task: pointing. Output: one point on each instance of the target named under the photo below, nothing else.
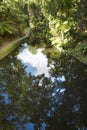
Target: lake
(42, 90)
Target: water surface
(40, 91)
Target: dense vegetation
(13, 17)
(61, 23)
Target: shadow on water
(40, 92)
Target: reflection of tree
(73, 108)
(29, 95)
(60, 104)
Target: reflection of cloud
(35, 63)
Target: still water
(42, 91)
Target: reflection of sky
(30, 126)
(61, 78)
(6, 98)
(35, 63)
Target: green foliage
(7, 27)
(61, 15)
(65, 23)
(57, 21)
(80, 52)
(38, 24)
(13, 18)
(56, 7)
(60, 29)
(81, 48)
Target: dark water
(42, 91)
